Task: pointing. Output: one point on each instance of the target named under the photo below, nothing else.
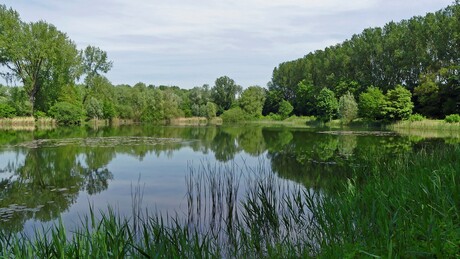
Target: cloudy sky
(192, 42)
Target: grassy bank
(26, 123)
(195, 121)
(426, 124)
(404, 206)
(293, 121)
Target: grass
(426, 125)
(27, 123)
(195, 121)
(404, 206)
(293, 121)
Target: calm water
(61, 172)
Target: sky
(189, 43)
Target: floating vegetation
(99, 142)
(361, 133)
(7, 213)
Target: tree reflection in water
(43, 181)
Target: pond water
(61, 172)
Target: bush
(348, 108)
(67, 113)
(211, 110)
(40, 114)
(326, 105)
(109, 111)
(416, 117)
(6, 111)
(285, 109)
(371, 103)
(93, 108)
(274, 116)
(235, 115)
(124, 112)
(398, 104)
(453, 118)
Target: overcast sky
(192, 42)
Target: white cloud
(191, 42)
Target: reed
(426, 125)
(404, 206)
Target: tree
(94, 108)
(285, 109)
(398, 104)
(327, 104)
(224, 93)
(305, 98)
(427, 94)
(252, 101)
(211, 110)
(41, 57)
(371, 103)
(94, 62)
(348, 108)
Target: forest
(382, 74)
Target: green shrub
(453, 118)
(211, 110)
(124, 111)
(398, 104)
(285, 109)
(235, 114)
(348, 108)
(274, 116)
(40, 114)
(416, 117)
(109, 111)
(6, 111)
(67, 113)
(93, 108)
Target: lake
(63, 172)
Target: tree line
(60, 81)
(387, 73)
(388, 70)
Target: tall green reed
(403, 206)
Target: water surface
(56, 173)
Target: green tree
(67, 113)
(427, 96)
(371, 103)
(94, 62)
(348, 108)
(211, 110)
(6, 111)
(285, 109)
(20, 101)
(41, 57)
(398, 104)
(224, 93)
(94, 108)
(305, 98)
(252, 101)
(171, 104)
(326, 105)
(108, 110)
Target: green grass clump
(404, 206)
(416, 117)
(453, 118)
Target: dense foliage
(421, 54)
(388, 73)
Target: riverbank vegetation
(400, 206)
(382, 74)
